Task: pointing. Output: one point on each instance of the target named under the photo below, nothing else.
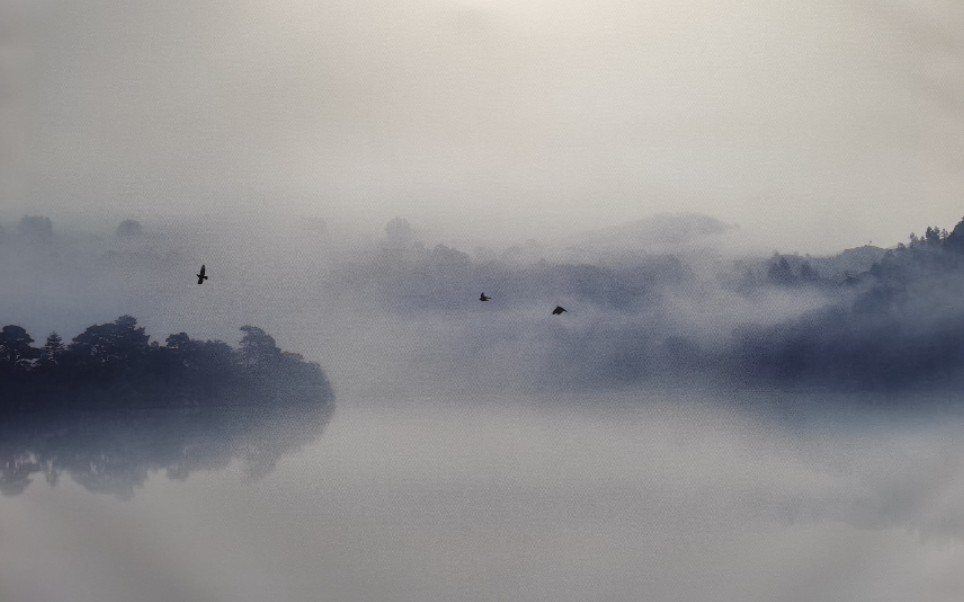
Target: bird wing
(201, 273)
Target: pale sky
(823, 124)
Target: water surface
(618, 498)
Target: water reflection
(452, 499)
(115, 452)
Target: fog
(653, 303)
(399, 312)
(636, 445)
(754, 391)
(824, 127)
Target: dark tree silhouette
(53, 349)
(118, 341)
(116, 365)
(15, 346)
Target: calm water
(508, 499)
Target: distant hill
(850, 262)
(903, 329)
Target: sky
(822, 125)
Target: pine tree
(53, 348)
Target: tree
(53, 348)
(15, 345)
(204, 367)
(179, 342)
(115, 365)
(258, 348)
(118, 340)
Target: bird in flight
(482, 297)
(558, 310)
(200, 275)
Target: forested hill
(904, 328)
(116, 365)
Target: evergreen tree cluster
(116, 365)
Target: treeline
(116, 365)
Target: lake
(610, 497)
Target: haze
(822, 125)
(355, 173)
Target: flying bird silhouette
(558, 310)
(200, 275)
(482, 297)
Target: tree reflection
(115, 451)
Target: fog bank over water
(607, 497)
(396, 310)
(491, 450)
(671, 301)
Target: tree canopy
(116, 365)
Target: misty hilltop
(400, 312)
(867, 318)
